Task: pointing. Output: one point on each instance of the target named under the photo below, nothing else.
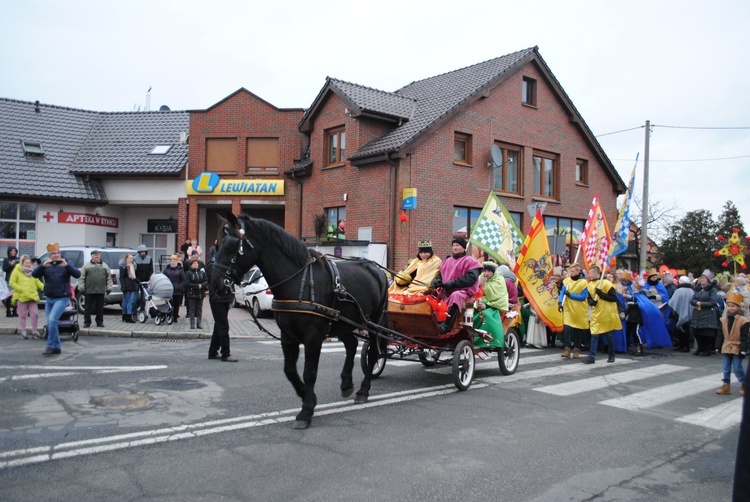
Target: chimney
(36, 106)
(148, 100)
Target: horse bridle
(235, 247)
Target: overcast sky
(677, 63)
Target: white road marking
(608, 379)
(664, 394)
(564, 369)
(73, 370)
(718, 417)
(72, 449)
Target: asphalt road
(131, 419)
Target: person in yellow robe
(572, 303)
(604, 316)
(416, 278)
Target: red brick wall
(244, 115)
(442, 184)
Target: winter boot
(192, 323)
(611, 358)
(198, 324)
(566, 352)
(725, 390)
(576, 353)
(124, 318)
(446, 325)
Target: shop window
(464, 219)
(262, 156)
(221, 155)
(336, 222)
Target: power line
(690, 127)
(617, 132)
(695, 160)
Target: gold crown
(734, 298)
(53, 247)
(424, 244)
(651, 271)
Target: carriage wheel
(377, 370)
(429, 357)
(463, 365)
(142, 316)
(508, 356)
(158, 319)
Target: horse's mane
(267, 231)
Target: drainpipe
(394, 202)
(301, 191)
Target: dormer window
(33, 148)
(160, 150)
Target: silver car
(78, 255)
(253, 293)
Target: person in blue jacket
(56, 273)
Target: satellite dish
(164, 108)
(497, 156)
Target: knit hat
(708, 274)
(460, 241)
(685, 280)
(193, 253)
(142, 247)
(489, 265)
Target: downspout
(394, 202)
(301, 190)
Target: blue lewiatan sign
(208, 183)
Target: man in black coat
(220, 300)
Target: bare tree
(661, 217)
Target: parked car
(253, 293)
(78, 255)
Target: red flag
(596, 238)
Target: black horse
(314, 297)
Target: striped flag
(622, 227)
(596, 237)
(496, 232)
(534, 271)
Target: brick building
(435, 135)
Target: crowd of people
(25, 277)
(615, 312)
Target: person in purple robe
(459, 274)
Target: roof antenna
(36, 106)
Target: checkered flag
(496, 232)
(596, 237)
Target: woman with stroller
(196, 283)
(130, 287)
(56, 273)
(26, 295)
(176, 276)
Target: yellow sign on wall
(209, 183)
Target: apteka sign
(88, 219)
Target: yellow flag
(534, 271)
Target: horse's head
(235, 254)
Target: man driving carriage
(459, 274)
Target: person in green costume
(494, 301)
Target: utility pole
(644, 217)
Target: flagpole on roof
(644, 217)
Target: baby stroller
(68, 322)
(159, 290)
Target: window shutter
(221, 155)
(262, 155)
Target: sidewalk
(241, 325)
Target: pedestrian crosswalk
(660, 395)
